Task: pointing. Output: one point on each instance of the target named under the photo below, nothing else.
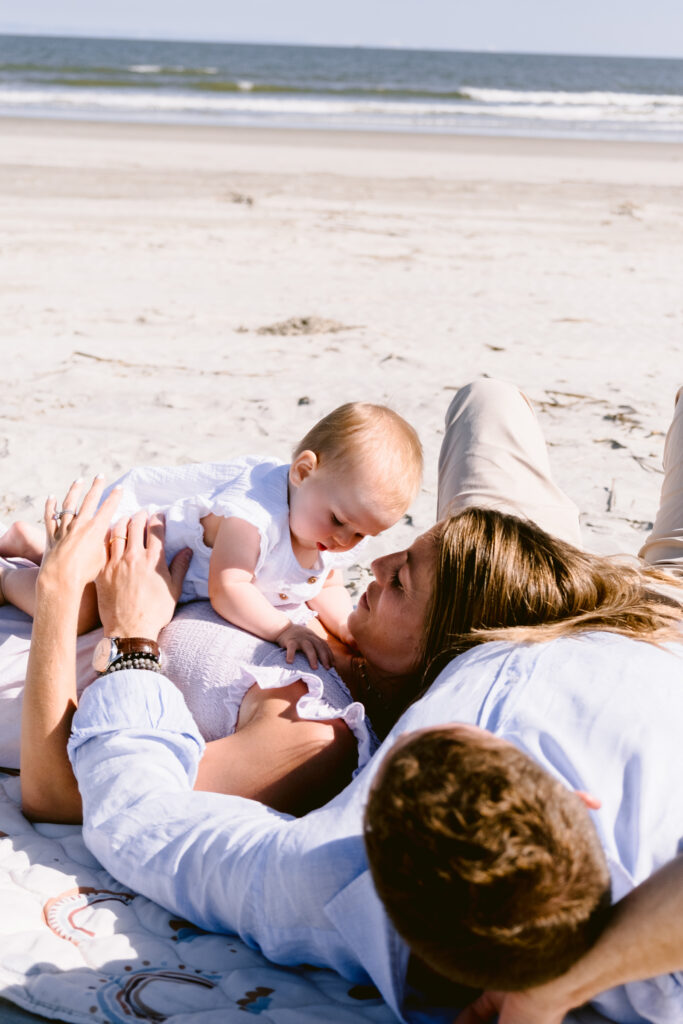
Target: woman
(480, 575)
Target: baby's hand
(300, 638)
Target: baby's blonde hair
(359, 432)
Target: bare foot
(23, 540)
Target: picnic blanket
(76, 945)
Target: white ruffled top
(213, 664)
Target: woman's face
(388, 624)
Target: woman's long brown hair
(503, 578)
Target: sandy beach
(156, 282)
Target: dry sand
(143, 269)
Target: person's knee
(489, 868)
(486, 393)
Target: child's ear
(304, 464)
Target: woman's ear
(303, 465)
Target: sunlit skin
(388, 624)
(331, 508)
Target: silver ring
(57, 516)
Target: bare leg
(23, 540)
(664, 547)
(18, 587)
(493, 455)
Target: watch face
(103, 655)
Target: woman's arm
(287, 762)
(48, 786)
(75, 552)
(643, 940)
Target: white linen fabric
(252, 488)
(599, 712)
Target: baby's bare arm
(232, 593)
(333, 605)
(235, 553)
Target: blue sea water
(341, 88)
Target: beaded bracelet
(138, 659)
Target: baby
(269, 540)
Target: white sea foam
(486, 110)
(154, 69)
(245, 86)
(630, 100)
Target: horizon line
(70, 34)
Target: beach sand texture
(173, 294)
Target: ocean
(342, 88)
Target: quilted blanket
(75, 945)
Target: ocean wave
(631, 100)
(583, 106)
(159, 69)
(596, 119)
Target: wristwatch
(135, 649)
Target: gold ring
(118, 536)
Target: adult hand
(533, 1006)
(76, 547)
(136, 591)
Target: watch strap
(136, 645)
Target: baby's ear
(304, 465)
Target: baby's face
(332, 510)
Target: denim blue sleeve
(218, 861)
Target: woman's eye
(335, 521)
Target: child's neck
(306, 557)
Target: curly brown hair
(489, 868)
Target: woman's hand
(76, 539)
(136, 591)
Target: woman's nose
(381, 568)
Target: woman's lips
(321, 547)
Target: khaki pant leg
(664, 547)
(493, 455)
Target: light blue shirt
(600, 712)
